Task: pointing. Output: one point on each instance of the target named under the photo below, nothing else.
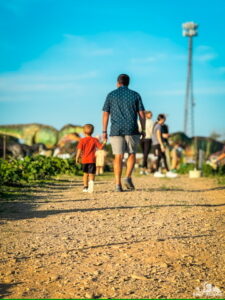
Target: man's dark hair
(123, 79)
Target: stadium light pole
(190, 31)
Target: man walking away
(123, 106)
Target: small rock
(55, 278)
(163, 265)
(7, 280)
(140, 277)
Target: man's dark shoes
(118, 188)
(129, 184)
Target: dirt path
(165, 240)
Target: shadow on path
(26, 210)
(180, 190)
(5, 289)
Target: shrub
(35, 168)
(185, 168)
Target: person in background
(159, 148)
(146, 142)
(86, 150)
(165, 138)
(176, 155)
(100, 161)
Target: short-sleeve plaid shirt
(123, 105)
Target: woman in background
(159, 148)
(146, 142)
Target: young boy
(86, 149)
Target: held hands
(163, 148)
(143, 134)
(104, 136)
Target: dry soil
(163, 240)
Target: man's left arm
(141, 114)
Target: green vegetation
(207, 170)
(35, 168)
(185, 168)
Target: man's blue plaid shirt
(123, 105)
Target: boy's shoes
(171, 174)
(90, 186)
(118, 188)
(129, 184)
(85, 189)
(141, 172)
(159, 175)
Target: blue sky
(59, 59)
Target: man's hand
(162, 148)
(105, 136)
(143, 134)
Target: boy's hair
(88, 129)
(123, 79)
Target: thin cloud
(148, 59)
(17, 7)
(214, 90)
(206, 57)
(222, 70)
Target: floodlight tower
(189, 30)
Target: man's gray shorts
(124, 144)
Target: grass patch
(221, 180)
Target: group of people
(156, 139)
(123, 107)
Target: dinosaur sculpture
(38, 133)
(208, 145)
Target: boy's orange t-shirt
(88, 147)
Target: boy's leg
(91, 177)
(91, 183)
(85, 179)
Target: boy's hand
(77, 160)
(104, 143)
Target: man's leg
(118, 168)
(118, 147)
(130, 164)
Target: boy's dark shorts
(89, 168)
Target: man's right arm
(105, 117)
(105, 121)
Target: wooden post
(4, 147)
